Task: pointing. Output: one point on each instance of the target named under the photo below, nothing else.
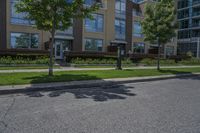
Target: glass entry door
(58, 50)
(61, 46)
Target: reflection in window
(137, 29)
(120, 7)
(18, 18)
(120, 29)
(95, 24)
(24, 40)
(139, 48)
(94, 45)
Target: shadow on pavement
(100, 94)
(97, 91)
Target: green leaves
(58, 14)
(159, 21)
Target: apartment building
(189, 27)
(117, 21)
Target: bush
(192, 61)
(151, 62)
(98, 61)
(24, 60)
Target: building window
(120, 7)
(139, 48)
(137, 13)
(96, 24)
(120, 29)
(24, 40)
(93, 45)
(169, 50)
(137, 29)
(18, 18)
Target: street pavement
(86, 69)
(167, 106)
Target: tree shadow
(173, 71)
(98, 94)
(60, 78)
(102, 91)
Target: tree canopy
(54, 13)
(159, 21)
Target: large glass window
(139, 48)
(120, 7)
(183, 3)
(120, 28)
(96, 24)
(93, 45)
(24, 40)
(90, 2)
(137, 12)
(18, 18)
(183, 14)
(137, 29)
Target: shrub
(192, 61)
(98, 61)
(24, 60)
(151, 62)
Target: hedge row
(24, 60)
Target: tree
(159, 23)
(53, 15)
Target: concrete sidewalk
(83, 69)
(12, 89)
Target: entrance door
(58, 50)
(61, 46)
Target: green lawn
(29, 78)
(25, 67)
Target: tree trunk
(158, 63)
(51, 53)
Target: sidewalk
(12, 89)
(82, 69)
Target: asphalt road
(169, 106)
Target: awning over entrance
(117, 42)
(64, 37)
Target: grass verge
(31, 78)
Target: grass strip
(42, 77)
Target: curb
(5, 90)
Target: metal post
(158, 63)
(119, 59)
(198, 47)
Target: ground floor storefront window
(24, 40)
(184, 48)
(93, 45)
(169, 50)
(139, 48)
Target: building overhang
(117, 42)
(64, 37)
